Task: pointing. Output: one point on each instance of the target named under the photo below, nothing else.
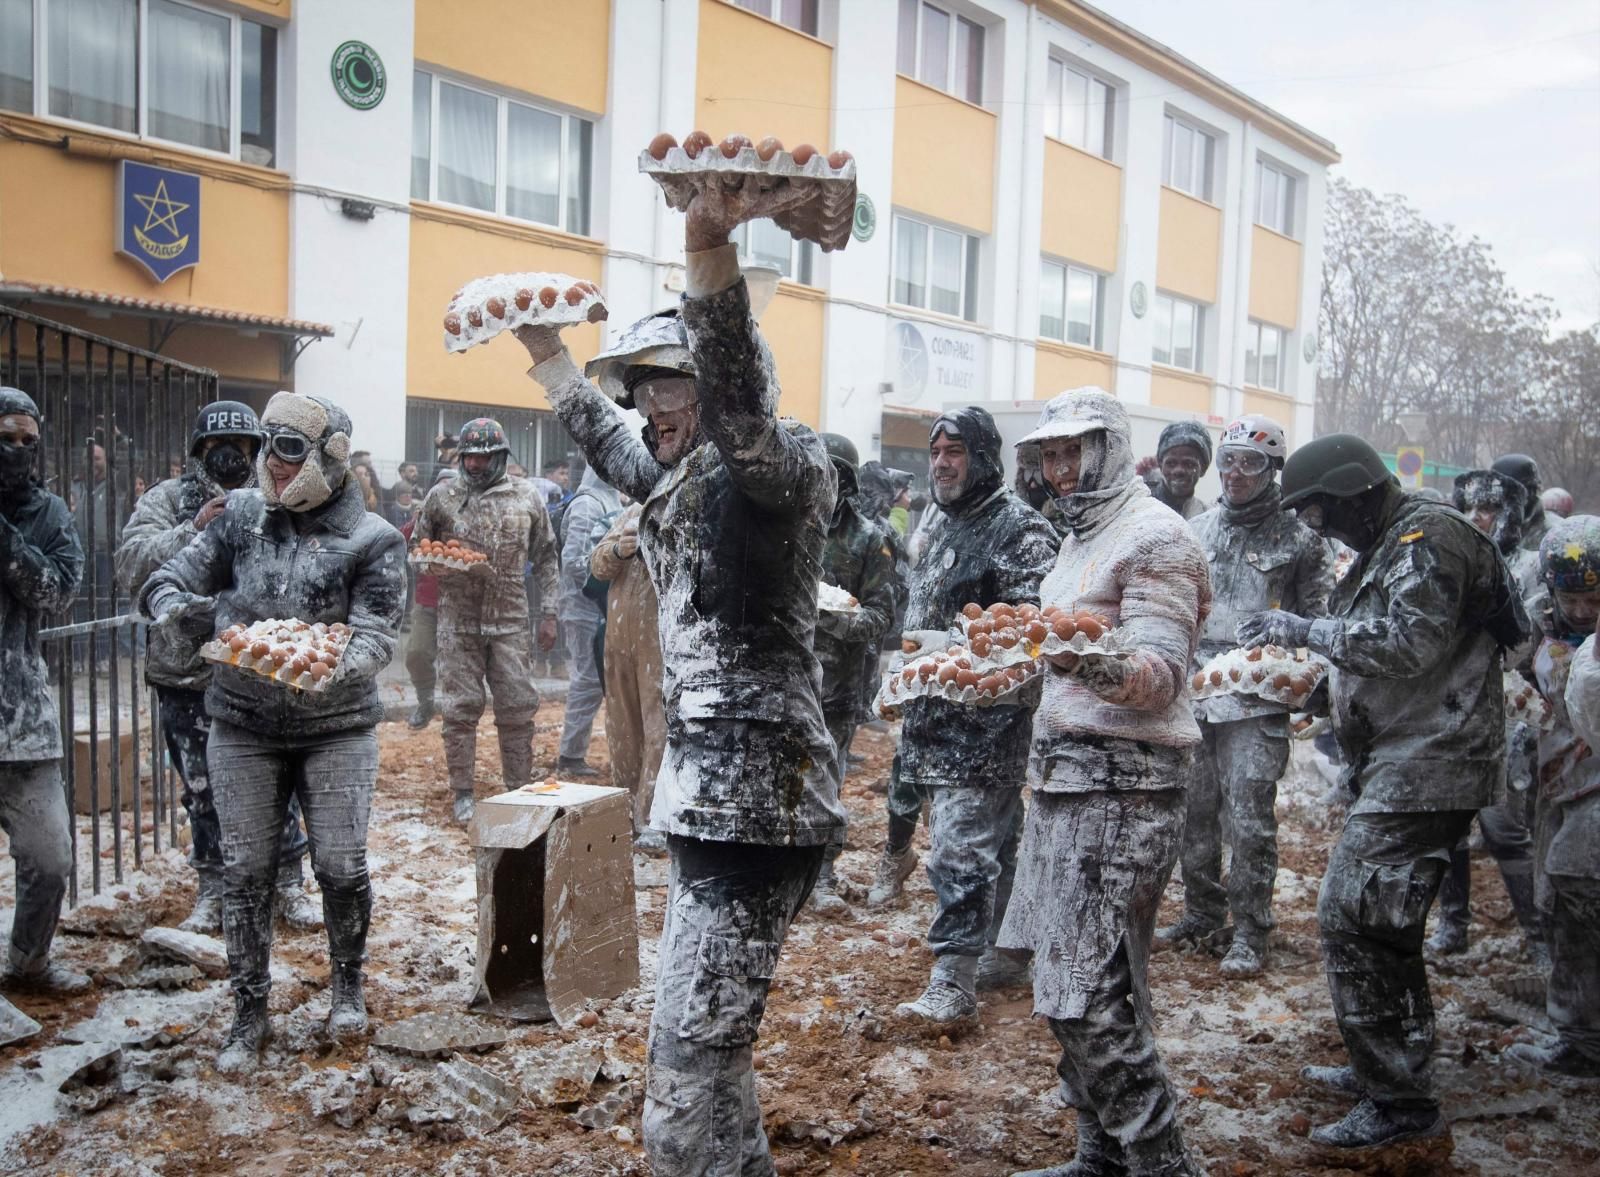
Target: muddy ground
(842, 1089)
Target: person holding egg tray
(1112, 751)
(302, 546)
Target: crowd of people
(681, 578)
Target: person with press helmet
(1568, 807)
(1260, 557)
(1526, 471)
(1415, 634)
(43, 563)
(484, 636)
(300, 546)
(222, 454)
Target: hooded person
(1111, 749)
(592, 506)
(736, 507)
(43, 564)
(1526, 471)
(1415, 636)
(301, 545)
(1183, 455)
(966, 763)
(1259, 557)
(484, 635)
(223, 447)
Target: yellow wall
(1082, 206)
(792, 325)
(1057, 367)
(1189, 248)
(279, 9)
(555, 49)
(756, 77)
(944, 154)
(1279, 408)
(1180, 390)
(57, 218)
(1274, 278)
(449, 248)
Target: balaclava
(327, 427)
(16, 461)
(975, 428)
(1490, 490)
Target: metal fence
(115, 420)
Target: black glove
(1273, 627)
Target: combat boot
(241, 1049)
(1098, 1154)
(575, 766)
(1341, 1080)
(1371, 1125)
(1559, 1058)
(1190, 928)
(825, 895)
(999, 968)
(462, 807)
(1519, 889)
(942, 1004)
(347, 1009)
(894, 868)
(292, 905)
(206, 918)
(422, 714)
(1246, 958)
(1449, 938)
(51, 977)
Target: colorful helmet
(1340, 465)
(1557, 501)
(224, 419)
(483, 435)
(1569, 555)
(1253, 431)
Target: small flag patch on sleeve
(1411, 537)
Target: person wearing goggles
(1260, 557)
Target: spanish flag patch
(1411, 537)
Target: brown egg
(281, 655)
(1003, 614)
(909, 674)
(981, 646)
(238, 643)
(695, 142)
(926, 670)
(1216, 678)
(966, 678)
(1521, 702)
(1027, 612)
(524, 299)
(1301, 685)
(661, 144)
(962, 662)
(732, 145)
(1199, 681)
(452, 323)
(574, 296)
(838, 159)
(972, 610)
(1036, 631)
(1006, 638)
(1064, 627)
(475, 317)
(260, 648)
(330, 657)
(1090, 627)
(984, 625)
(1253, 654)
(768, 147)
(992, 683)
(1050, 613)
(548, 296)
(1258, 675)
(496, 307)
(802, 154)
(1280, 681)
(320, 670)
(300, 663)
(948, 672)
(1235, 674)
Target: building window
(941, 49)
(1274, 198)
(1178, 325)
(499, 155)
(1190, 156)
(1263, 352)
(1079, 108)
(935, 269)
(1070, 304)
(210, 78)
(800, 15)
(762, 243)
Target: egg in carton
(484, 307)
(833, 599)
(301, 655)
(1524, 703)
(1010, 634)
(956, 675)
(824, 214)
(434, 556)
(1272, 673)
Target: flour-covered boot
(241, 1049)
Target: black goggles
(287, 444)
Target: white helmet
(1253, 431)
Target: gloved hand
(186, 611)
(1274, 627)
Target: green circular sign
(358, 75)
(865, 222)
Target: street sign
(1408, 465)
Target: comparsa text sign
(925, 358)
(158, 218)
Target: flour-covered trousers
(585, 692)
(422, 652)
(842, 727)
(905, 809)
(972, 861)
(1573, 997)
(185, 727)
(254, 776)
(1089, 880)
(33, 813)
(1238, 766)
(1508, 834)
(1381, 880)
(729, 906)
(503, 662)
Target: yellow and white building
(1050, 198)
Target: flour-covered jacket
(41, 564)
(161, 526)
(860, 558)
(1137, 564)
(733, 537)
(338, 562)
(1416, 692)
(508, 523)
(1569, 768)
(592, 502)
(1260, 557)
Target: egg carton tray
(485, 307)
(824, 215)
(1524, 703)
(1271, 673)
(436, 564)
(297, 643)
(987, 681)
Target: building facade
(1049, 199)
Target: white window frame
(1281, 217)
(1199, 309)
(950, 53)
(501, 140)
(802, 257)
(1254, 330)
(41, 81)
(1096, 304)
(773, 11)
(970, 245)
(1203, 161)
(1063, 109)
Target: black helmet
(1521, 467)
(14, 400)
(1339, 465)
(841, 449)
(224, 419)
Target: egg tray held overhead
(485, 307)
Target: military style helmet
(655, 342)
(223, 419)
(1255, 431)
(483, 435)
(1521, 467)
(841, 449)
(1340, 465)
(1569, 555)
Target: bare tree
(1562, 425)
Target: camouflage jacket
(860, 559)
(508, 523)
(43, 564)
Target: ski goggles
(1240, 460)
(664, 394)
(287, 444)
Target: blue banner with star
(158, 218)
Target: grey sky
(1483, 115)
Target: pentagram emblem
(162, 214)
(912, 364)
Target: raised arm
(594, 422)
(43, 576)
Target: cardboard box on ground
(86, 751)
(556, 920)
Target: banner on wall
(930, 364)
(158, 218)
